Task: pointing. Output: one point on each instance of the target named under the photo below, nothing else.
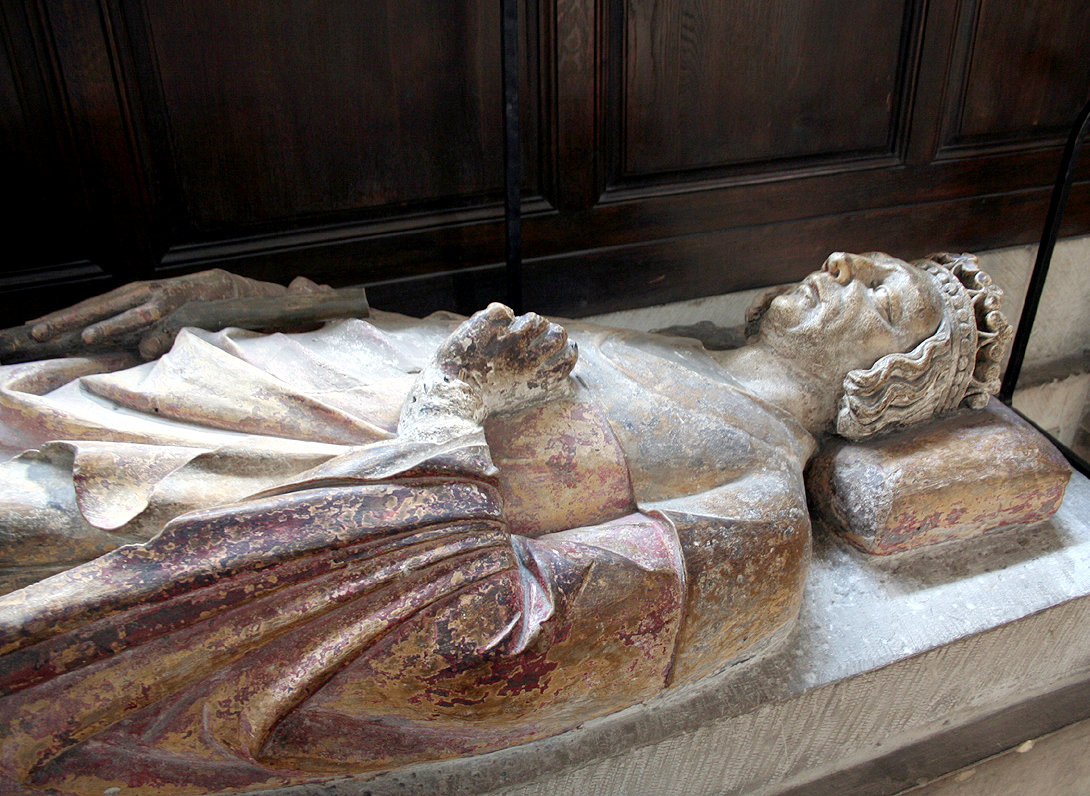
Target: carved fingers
(86, 313)
(511, 360)
(133, 311)
(494, 362)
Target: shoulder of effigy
(647, 359)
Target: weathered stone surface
(383, 544)
(890, 653)
(962, 476)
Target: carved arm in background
(147, 316)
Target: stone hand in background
(145, 317)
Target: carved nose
(843, 267)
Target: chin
(784, 314)
(795, 335)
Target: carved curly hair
(958, 365)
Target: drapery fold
(353, 601)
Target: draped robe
(327, 598)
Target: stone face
(966, 475)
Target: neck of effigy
(808, 394)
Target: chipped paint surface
(970, 474)
(370, 602)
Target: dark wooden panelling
(678, 246)
(44, 217)
(753, 256)
(940, 49)
(39, 201)
(279, 111)
(101, 125)
(576, 49)
(673, 148)
(674, 269)
(1029, 71)
(710, 83)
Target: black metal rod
(1060, 191)
(512, 164)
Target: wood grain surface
(360, 143)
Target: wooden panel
(710, 83)
(1029, 71)
(34, 200)
(282, 111)
(27, 212)
(687, 147)
(43, 216)
(657, 271)
(98, 120)
(576, 52)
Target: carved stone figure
(390, 541)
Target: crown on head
(958, 365)
(978, 332)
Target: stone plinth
(963, 476)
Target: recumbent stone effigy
(284, 557)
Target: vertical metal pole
(1044, 254)
(512, 164)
